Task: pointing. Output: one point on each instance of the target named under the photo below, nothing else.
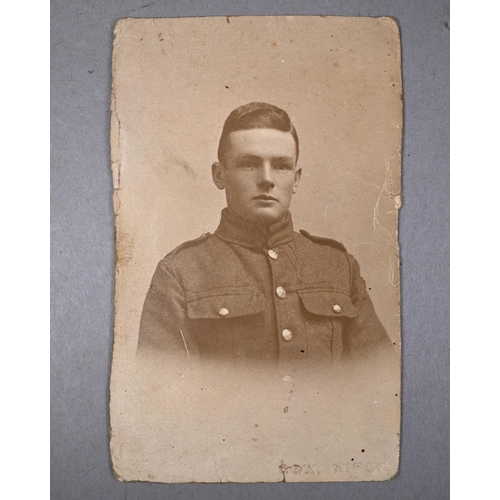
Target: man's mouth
(265, 197)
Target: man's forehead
(262, 142)
(249, 156)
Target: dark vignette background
(82, 249)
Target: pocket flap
(223, 306)
(328, 303)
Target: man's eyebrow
(274, 159)
(247, 157)
(284, 158)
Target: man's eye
(246, 165)
(283, 166)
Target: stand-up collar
(233, 229)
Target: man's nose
(266, 177)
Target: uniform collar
(233, 229)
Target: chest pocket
(326, 312)
(224, 304)
(224, 322)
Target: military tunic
(249, 293)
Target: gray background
(83, 251)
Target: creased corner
(115, 452)
(398, 201)
(116, 142)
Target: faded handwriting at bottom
(350, 467)
(296, 469)
(337, 468)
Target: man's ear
(298, 175)
(218, 175)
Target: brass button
(281, 292)
(287, 334)
(336, 308)
(272, 254)
(223, 312)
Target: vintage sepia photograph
(256, 165)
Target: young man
(256, 290)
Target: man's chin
(263, 216)
(267, 217)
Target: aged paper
(244, 349)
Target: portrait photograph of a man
(256, 167)
(256, 290)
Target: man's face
(259, 174)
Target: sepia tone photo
(256, 167)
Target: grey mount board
(83, 253)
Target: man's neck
(236, 229)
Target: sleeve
(364, 335)
(163, 328)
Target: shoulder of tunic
(190, 243)
(324, 241)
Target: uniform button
(223, 312)
(336, 308)
(272, 254)
(281, 292)
(287, 334)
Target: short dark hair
(256, 115)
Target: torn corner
(115, 171)
(115, 454)
(116, 144)
(398, 201)
(218, 473)
(390, 21)
(116, 202)
(185, 345)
